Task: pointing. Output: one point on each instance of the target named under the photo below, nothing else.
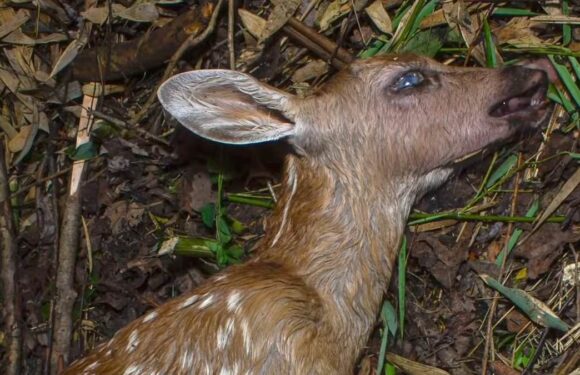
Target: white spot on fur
(207, 369)
(246, 337)
(133, 370)
(206, 301)
(91, 367)
(224, 334)
(292, 181)
(187, 360)
(133, 341)
(189, 301)
(149, 317)
(226, 371)
(234, 301)
(220, 277)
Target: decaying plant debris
(109, 210)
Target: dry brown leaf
(412, 367)
(96, 89)
(5, 123)
(380, 17)
(17, 143)
(566, 190)
(14, 23)
(253, 23)
(517, 31)
(556, 19)
(333, 12)
(140, 12)
(571, 274)
(458, 17)
(435, 225)
(434, 19)
(20, 59)
(312, 69)
(68, 55)
(12, 82)
(516, 321)
(99, 15)
(283, 10)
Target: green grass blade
(575, 66)
(567, 79)
(513, 12)
(535, 309)
(502, 170)
(405, 26)
(402, 268)
(389, 318)
(490, 55)
(566, 29)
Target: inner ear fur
(228, 106)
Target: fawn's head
(392, 116)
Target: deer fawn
(367, 145)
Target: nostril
(543, 65)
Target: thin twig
(10, 295)
(67, 250)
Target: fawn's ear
(227, 106)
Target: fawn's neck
(341, 238)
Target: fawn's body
(375, 139)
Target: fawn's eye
(408, 80)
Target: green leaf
(104, 130)
(186, 246)
(85, 151)
(566, 29)
(521, 359)
(235, 253)
(389, 318)
(390, 369)
(427, 10)
(567, 79)
(535, 309)
(426, 43)
(224, 234)
(374, 47)
(208, 213)
(265, 202)
(575, 66)
(235, 225)
(403, 30)
(220, 253)
(490, 55)
(502, 170)
(513, 12)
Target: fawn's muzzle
(526, 99)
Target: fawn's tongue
(529, 99)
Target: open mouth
(528, 102)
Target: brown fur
(307, 301)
